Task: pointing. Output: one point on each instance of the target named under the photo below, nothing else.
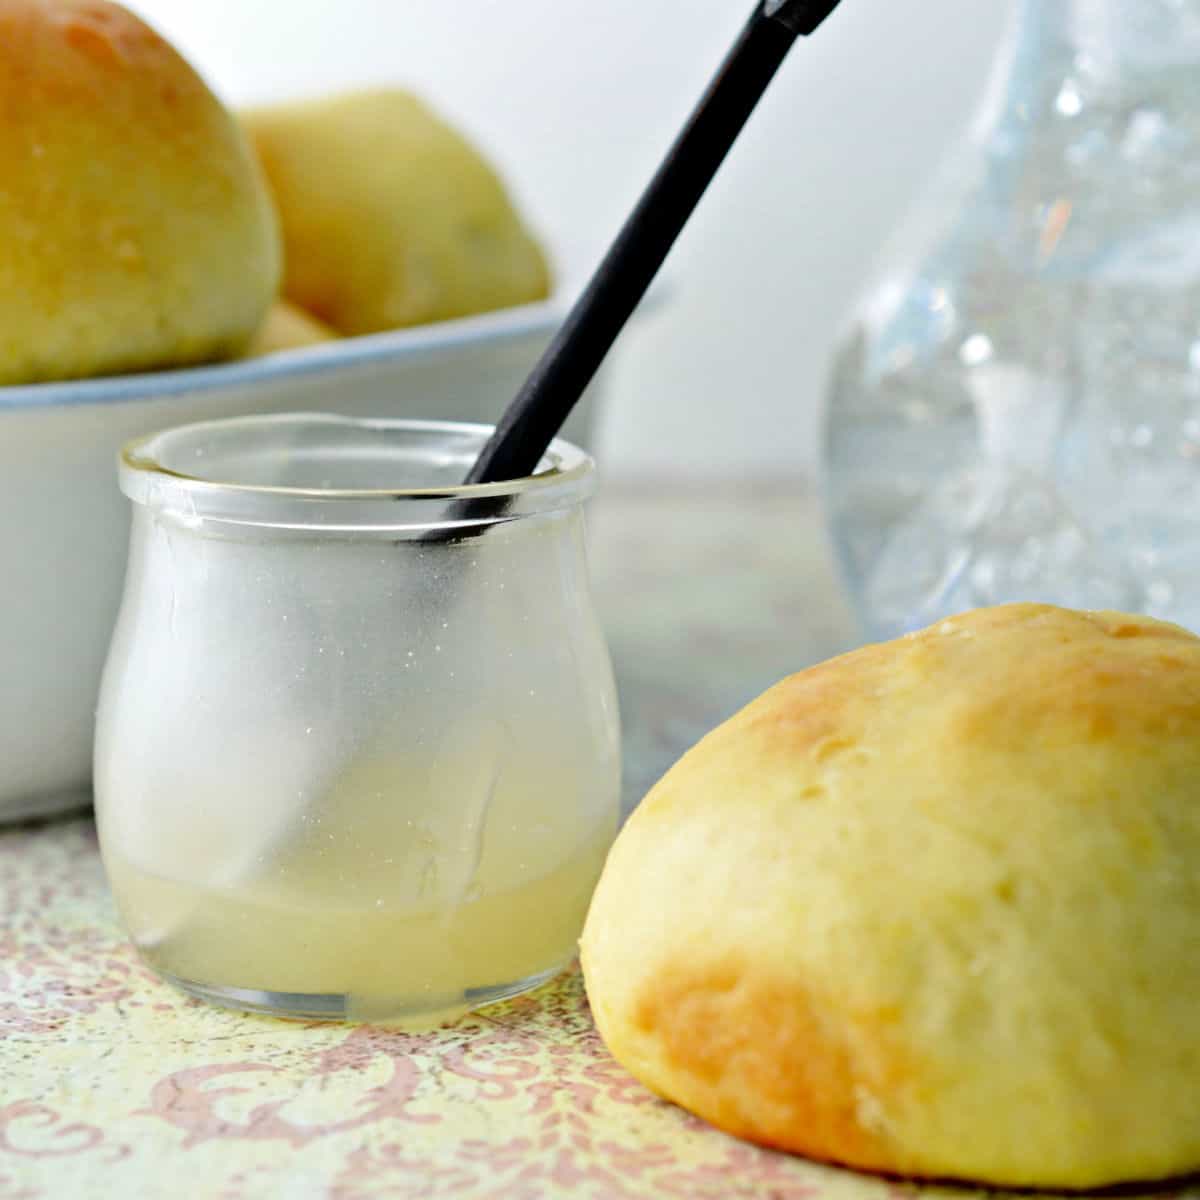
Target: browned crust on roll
(809, 1089)
(136, 229)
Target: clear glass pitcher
(1015, 412)
(345, 768)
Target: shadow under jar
(345, 768)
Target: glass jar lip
(149, 477)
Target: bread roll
(390, 218)
(287, 327)
(932, 907)
(135, 230)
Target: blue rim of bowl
(414, 344)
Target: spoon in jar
(558, 380)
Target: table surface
(113, 1084)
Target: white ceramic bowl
(63, 524)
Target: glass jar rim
(155, 470)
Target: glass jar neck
(320, 474)
(1057, 53)
(1116, 33)
(1105, 38)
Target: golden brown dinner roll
(287, 327)
(390, 217)
(135, 230)
(932, 907)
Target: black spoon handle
(539, 409)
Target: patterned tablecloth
(113, 1084)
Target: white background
(577, 99)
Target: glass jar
(357, 750)
(1015, 412)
